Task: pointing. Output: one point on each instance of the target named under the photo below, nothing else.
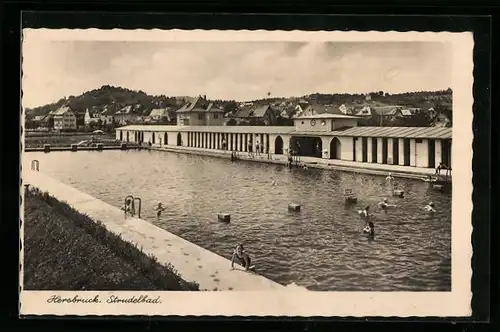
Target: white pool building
(325, 136)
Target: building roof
(387, 132)
(323, 109)
(252, 112)
(199, 105)
(62, 110)
(125, 110)
(326, 116)
(397, 132)
(218, 129)
(39, 118)
(159, 112)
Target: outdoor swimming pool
(321, 248)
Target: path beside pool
(331, 164)
(209, 270)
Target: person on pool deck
(430, 207)
(242, 256)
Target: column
(413, 152)
(256, 137)
(359, 149)
(401, 151)
(389, 151)
(264, 143)
(379, 150)
(439, 159)
(369, 144)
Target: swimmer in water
(240, 254)
(389, 178)
(430, 207)
(430, 178)
(370, 229)
(384, 205)
(274, 182)
(128, 208)
(304, 167)
(364, 212)
(159, 209)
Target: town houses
(202, 111)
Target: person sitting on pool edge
(244, 259)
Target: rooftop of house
(252, 111)
(159, 111)
(199, 105)
(325, 116)
(62, 110)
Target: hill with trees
(105, 96)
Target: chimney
(205, 97)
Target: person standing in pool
(159, 209)
(389, 178)
(240, 254)
(370, 230)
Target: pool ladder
(131, 201)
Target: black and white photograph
(192, 172)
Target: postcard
(248, 173)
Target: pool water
(322, 247)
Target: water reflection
(321, 248)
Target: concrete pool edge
(408, 172)
(193, 263)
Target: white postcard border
(300, 303)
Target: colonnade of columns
(229, 141)
(402, 151)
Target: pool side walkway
(210, 271)
(332, 164)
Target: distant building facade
(200, 112)
(64, 119)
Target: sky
(231, 70)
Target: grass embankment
(58, 140)
(67, 250)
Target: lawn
(66, 250)
(38, 141)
